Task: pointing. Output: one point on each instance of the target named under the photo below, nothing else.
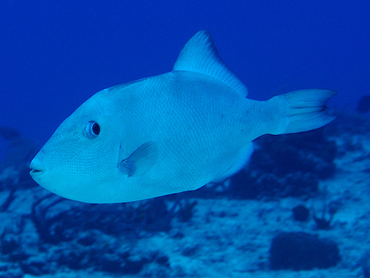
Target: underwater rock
(35, 266)
(59, 220)
(346, 125)
(300, 184)
(162, 260)
(244, 185)
(307, 152)
(301, 213)
(10, 271)
(365, 264)
(82, 236)
(302, 251)
(286, 166)
(183, 209)
(133, 265)
(9, 243)
(254, 184)
(190, 250)
(11, 247)
(111, 263)
(74, 258)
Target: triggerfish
(168, 133)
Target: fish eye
(92, 130)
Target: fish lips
(36, 170)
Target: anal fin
(243, 158)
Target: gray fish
(168, 133)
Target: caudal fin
(307, 109)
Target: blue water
(56, 54)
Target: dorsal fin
(200, 55)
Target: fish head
(81, 156)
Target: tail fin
(307, 109)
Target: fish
(168, 133)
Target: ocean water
(55, 54)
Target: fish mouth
(36, 170)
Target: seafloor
(229, 229)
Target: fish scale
(168, 133)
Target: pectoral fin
(140, 161)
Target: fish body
(168, 133)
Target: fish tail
(306, 110)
